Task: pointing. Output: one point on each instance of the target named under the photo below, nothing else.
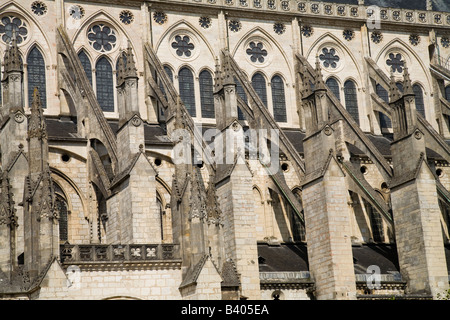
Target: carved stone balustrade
(116, 255)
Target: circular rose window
(102, 37)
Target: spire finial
(394, 92)
(407, 85)
(319, 84)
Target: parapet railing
(118, 252)
(328, 9)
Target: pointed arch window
(62, 207)
(36, 76)
(334, 87)
(385, 121)
(206, 94)
(259, 84)
(105, 86)
(447, 93)
(420, 105)
(241, 93)
(351, 99)
(299, 231)
(170, 74)
(278, 99)
(187, 94)
(1, 85)
(86, 64)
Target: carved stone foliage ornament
(136, 121)
(19, 117)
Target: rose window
(234, 25)
(256, 52)
(38, 8)
(10, 23)
(126, 17)
(395, 62)
(102, 38)
(307, 31)
(183, 46)
(376, 37)
(329, 58)
(159, 17)
(205, 22)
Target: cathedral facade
(224, 149)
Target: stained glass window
(256, 52)
(170, 74)
(61, 206)
(376, 223)
(329, 58)
(10, 23)
(206, 94)
(1, 85)
(241, 93)
(278, 99)
(86, 63)
(105, 86)
(420, 105)
(36, 76)
(102, 38)
(385, 122)
(259, 84)
(395, 62)
(351, 100)
(183, 46)
(334, 87)
(186, 85)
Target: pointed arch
(333, 84)
(104, 84)
(259, 84)
(86, 63)
(187, 89)
(278, 98)
(36, 75)
(206, 94)
(341, 45)
(15, 7)
(402, 45)
(385, 121)
(192, 28)
(420, 104)
(108, 18)
(273, 41)
(351, 99)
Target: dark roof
(63, 128)
(294, 257)
(382, 255)
(296, 137)
(447, 256)
(285, 257)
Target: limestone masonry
(224, 149)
